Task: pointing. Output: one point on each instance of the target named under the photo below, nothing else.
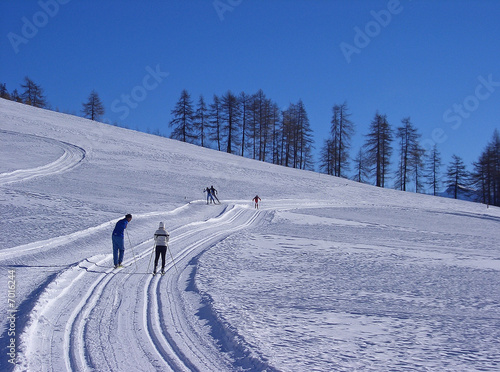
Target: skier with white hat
(161, 237)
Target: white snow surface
(327, 275)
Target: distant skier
(256, 199)
(213, 192)
(161, 237)
(119, 241)
(209, 195)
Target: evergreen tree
(296, 137)
(457, 176)
(342, 129)
(304, 140)
(481, 177)
(267, 125)
(245, 103)
(360, 165)
(327, 157)
(410, 156)
(15, 96)
(378, 148)
(201, 121)
(261, 122)
(4, 93)
(276, 132)
(495, 167)
(93, 109)
(486, 174)
(434, 170)
(262, 125)
(287, 120)
(33, 94)
(182, 120)
(308, 160)
(418, 168)
(215, 119)
(254, 125)
(230, 113)
(296, 132)
(334, 142)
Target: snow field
(327, 275)
(309, 302)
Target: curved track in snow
(80, 318)
(72, 156)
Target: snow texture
(327, 275)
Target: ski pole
(133, 253)
(150, 257)
(168, 248)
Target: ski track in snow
(72, 156)
(72, 308)
(78, 320)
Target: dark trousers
(160, 250)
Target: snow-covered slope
(327, 275)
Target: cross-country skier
(161, 237)
(209, 195)
(213, 192)
(119, 241)
(256, 200)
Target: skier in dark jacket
(209, 195)
(213, 192)
(119, 241)
(256, 200)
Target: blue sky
(435, 61)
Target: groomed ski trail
(79, 320)
(72, 156)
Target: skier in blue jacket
(118, 240)
(209, 195)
